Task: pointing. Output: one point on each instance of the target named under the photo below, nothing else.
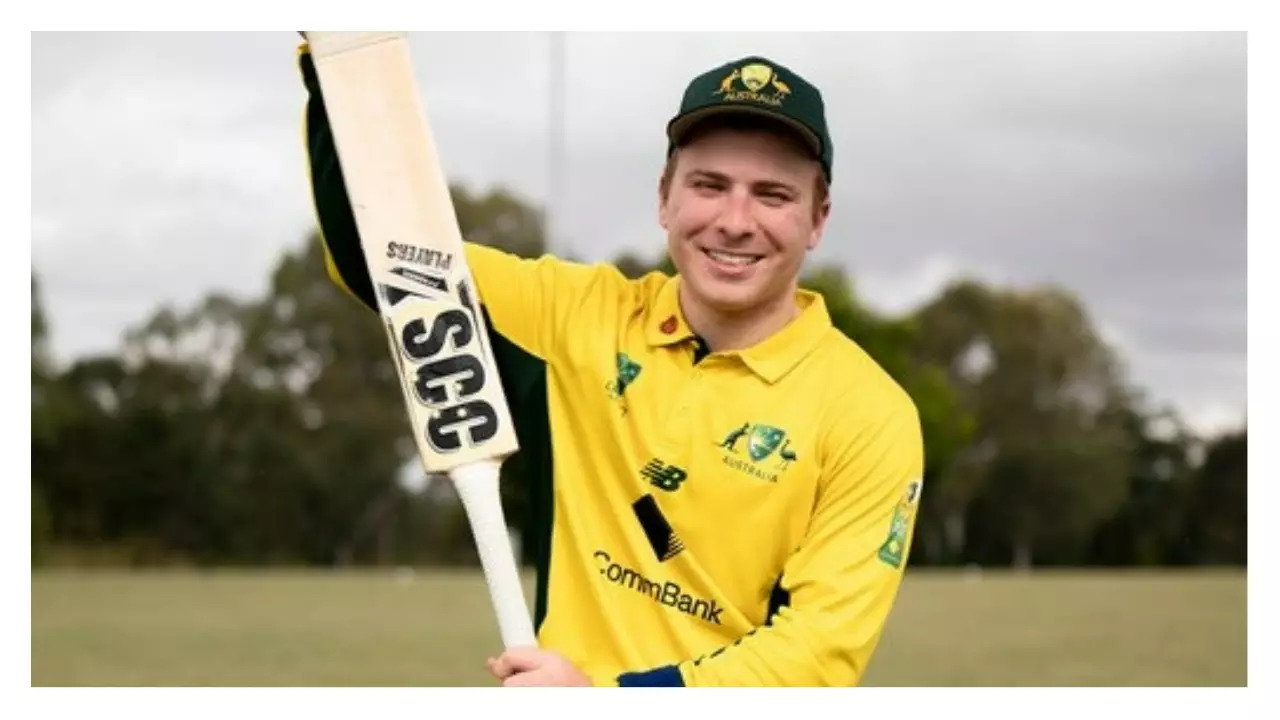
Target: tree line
(270, 431)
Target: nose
(735, 222)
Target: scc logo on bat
(449, 379)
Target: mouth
(733, 259)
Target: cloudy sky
(165, 166)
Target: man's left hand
(532, 667)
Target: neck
(736, 331)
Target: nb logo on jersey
(663, 476)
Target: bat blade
(412, 244)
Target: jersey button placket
(680, 421)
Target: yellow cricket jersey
(700, 519)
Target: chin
(727, 298)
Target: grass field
(386, 628)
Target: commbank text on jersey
(667, 593)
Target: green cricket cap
(756, 86)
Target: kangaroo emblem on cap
(751, 79)
(726, 85)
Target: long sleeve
(844, 578)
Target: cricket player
(724, 485)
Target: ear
(664, 215)
(819, 224)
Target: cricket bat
(426, 295)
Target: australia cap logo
(753, 78)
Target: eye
(707, 184)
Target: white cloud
(907, 288)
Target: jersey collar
(772, 357)
(666, 324)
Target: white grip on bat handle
(477, 487)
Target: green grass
(382, 628)
(1067, 629)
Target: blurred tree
(49, 402)
(109, 473)
(1216, 514)
(632, 265)
(501, 219)
(1148, 528)
(1050, 455)
(43, 423)
(42, 369)
(346, 431)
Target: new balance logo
(663, 476)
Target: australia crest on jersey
(627, 370)
(758, 450)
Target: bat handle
(478, 489)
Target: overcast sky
(165, 166)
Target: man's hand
(531, 667)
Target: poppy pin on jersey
(668, 326)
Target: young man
(724, 484)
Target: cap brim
(681, 125)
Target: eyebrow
(776, 185)
(707, 175)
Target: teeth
(731, 258)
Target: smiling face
(742, 205)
